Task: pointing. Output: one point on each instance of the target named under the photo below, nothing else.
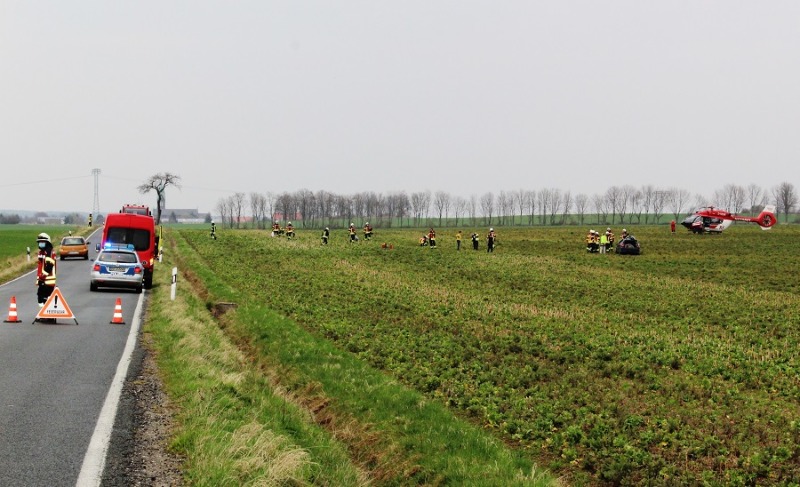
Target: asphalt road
(54, 378)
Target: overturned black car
(628, 246)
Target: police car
(117, 266)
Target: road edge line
(91, 474)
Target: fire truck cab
(134, 225)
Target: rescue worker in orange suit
(593, 241)
(367, 231)
(276, 229)
(289, 230)
(610, 236)
(45, 269)
(352, 230)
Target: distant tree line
(549, 206)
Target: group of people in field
(604, 243)
(429, 239)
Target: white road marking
(94, 462)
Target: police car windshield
(117, 256)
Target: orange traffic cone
(117, 319)
(12, 312)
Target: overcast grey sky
(350, 96)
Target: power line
(25, 183)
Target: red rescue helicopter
(713, 220)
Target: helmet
(608, 229)
(43, 237)
(624, 230)
(491, 229)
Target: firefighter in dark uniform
(325, 235)
(45, 269)
(367, 231)
(490, 238)
(289, 230)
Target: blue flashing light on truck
(134, 225)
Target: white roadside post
(174, 283)
(28, 250)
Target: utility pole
(96, 204)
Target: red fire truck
(134, 225)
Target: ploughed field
(677, 366)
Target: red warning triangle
(55, 307)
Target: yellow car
(74, 247)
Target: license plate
(117, 270)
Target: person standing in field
(325, 235)
(604, 243)
(367, 231)
(672, 227)
(458, 240)
(352, 230)
(213, 230)
(475, 240)
(490, 240)
(432, 238)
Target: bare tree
(554, 204)
(473, 207)
(285, 204)
(159, 183)
(520, 199)
(420, 202)
(657, 203)
(303, 200)
(614, 200)
(270, 196)
(258, 207)
(487, 206)
(237, 207)
(566, 206)
(441, 201)
(503, 203)
(626, 195)
(544, 203)
(677, 199)
(601, 206)
(785, 199)
(755, 197)
(530, 205)
(636, 199)
(459, 207)
(581, 205)
(222, 209)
